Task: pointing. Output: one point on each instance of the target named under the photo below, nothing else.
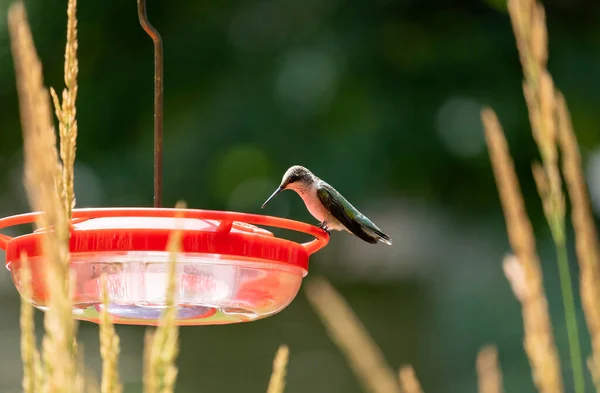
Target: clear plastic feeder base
(210, 288)
(228, 271)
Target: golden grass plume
(553, 130)
(529, 26)
(525, 265)
(109, 347)
(42, 183)
(488, 370)
(66, 111)
(586, 235)
(162, 347)
(347, 332)
(32, 369)
(408, 380)
(277, 381)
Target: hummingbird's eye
(294, 178)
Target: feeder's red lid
(144, 229)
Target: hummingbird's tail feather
(378, 235)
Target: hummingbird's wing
(343, 211)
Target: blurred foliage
(379, 98)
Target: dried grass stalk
(488, 370)
(109, 347)
(277, 381)
(586, 235)
(539, 338)
(32, 369)
(592, 366)
(66, 112)
(347, 332)
(409, 381)
(162, 346)
(529, 24)
(42, 168)
(83, 382)
(42, 177)
(150, 380)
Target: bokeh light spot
(459, 127)
(236, 165)
(307, 80)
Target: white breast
(316, 208)
(313, 204)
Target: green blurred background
(379, 98)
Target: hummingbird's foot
(324, 227)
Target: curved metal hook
(158, 100)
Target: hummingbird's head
(296, 178)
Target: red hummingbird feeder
(229, 270)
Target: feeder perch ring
(229, 270)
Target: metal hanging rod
(158, 100)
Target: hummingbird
(328, 206)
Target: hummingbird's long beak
(277, 191)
